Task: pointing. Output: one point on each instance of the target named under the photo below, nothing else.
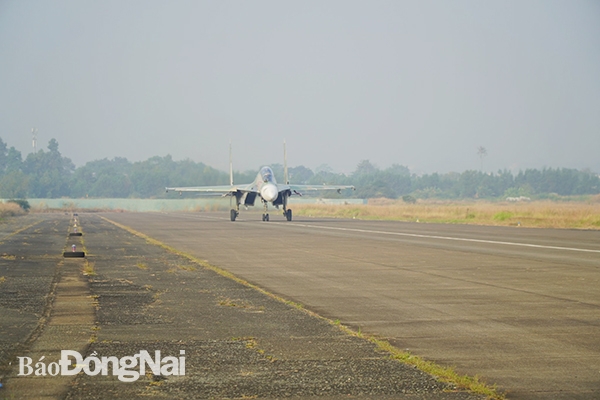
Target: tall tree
(49, 172)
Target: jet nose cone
(269, 192)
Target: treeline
(397, 181)
(48, 174)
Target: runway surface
(519, 307)
(128, 296)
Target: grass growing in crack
(2, 279)
(95, 301)
(142, 265)
(176, 268)
(156, 296)
(444, 374)
(94, 337)
(227, 302)
(237, 303)
(88, 268)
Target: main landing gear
(286, 212)
(233, 214)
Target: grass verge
(10, 210)
(541, 214)
(445, 374)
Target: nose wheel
(287, 214)
(265, 216)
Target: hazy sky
(417, 83)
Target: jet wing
(304, 188)
(213, 189)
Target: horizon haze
(422, 84)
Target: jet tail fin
(285, 169)
(230, 166)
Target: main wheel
(266, 217)
(288, 215)
(233, 214)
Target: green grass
(502, 216)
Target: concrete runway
(518, 307)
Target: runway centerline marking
(417, 235)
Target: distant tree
(365, 168)
(14, 160)
(278, 171)
(323, 168)
(300, 174)
(14, 185)
(49, 172)
(398, 169)
(3, 156)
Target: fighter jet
(264, 187)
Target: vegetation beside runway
(542, 214)
(444, 374)
(581, 214)
(10, 210)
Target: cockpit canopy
(266, 174)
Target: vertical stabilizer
(285, 170)
(230, 166)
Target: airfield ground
(128, 295)
(520, 307)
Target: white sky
(417, 83)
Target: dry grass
(88, 268)
(546, 214)
(142, 265)
(10, 210)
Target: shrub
(24, 204)
(409, 199)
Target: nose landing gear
(265, 216)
